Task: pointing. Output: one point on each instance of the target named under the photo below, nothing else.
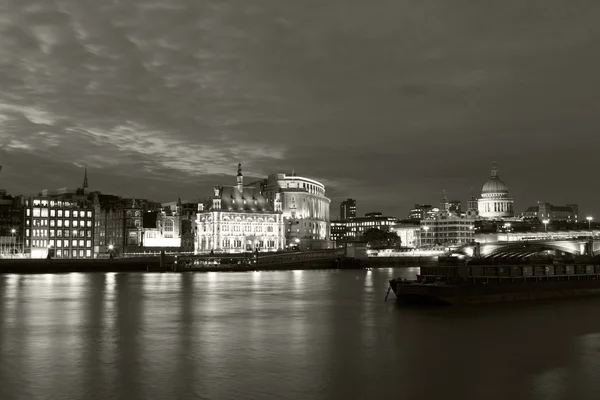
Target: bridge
(528, 248)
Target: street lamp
(507, 228)
(589, 220)
(546, 222)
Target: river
(283, 335)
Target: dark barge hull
(495, 292)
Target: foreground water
(282, 335)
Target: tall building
(543, 210)
(240, 219)
(305, 209)
(59, 226)
(495, 201)
(348, 209)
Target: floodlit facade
(495, 201)
(305, 209)
(240, 219)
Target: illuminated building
(375, 220)
(347, 210)
(409, 234)
(422, 211)
(240, 219)
(59, 227)
(305, 209)
(339, 230)
(446, 230)
(495, 201)
(542, 211)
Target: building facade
(59, 227)
(11, 225)
(422, 211)
(446, 230)
(495, 201)
(240, 219)
(543, 210)
(356, 228)
(409, 234)
(305, 209)
(348, 209)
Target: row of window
(227, 243)
(44, 213)
(59, 243)
(59, 233)
(65, 253)
(237, 228)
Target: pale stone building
(240, 219)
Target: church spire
(85, 179)
(240, 178)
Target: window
(66, 253)
(53, 213)
(89, 224)
(75, 214)
(74, 233)
(67, 213)
(52, 222)
(168, 229)
(74, 243)
(81, 253)
(59, 213)
(36, 212)
(88, 253)
(51, 233)
(67, 223)
(75, 224)
(89, 214)
(81, 243)
(59, 243)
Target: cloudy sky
(386, 101)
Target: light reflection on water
(283, 335)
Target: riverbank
(154, 264)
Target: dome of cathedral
(494, 185)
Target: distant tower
(85, 179)
(179, 207)
(240, 178)
(444, 204)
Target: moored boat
(476, 284)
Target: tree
(377, 238)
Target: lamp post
(13, 231)
(507, 228)
(589, 220)
(546, 222)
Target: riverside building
(240, 219)
(305, 209)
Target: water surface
(283, 335)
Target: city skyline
(389, 105)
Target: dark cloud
(388, 101)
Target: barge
(479, 284)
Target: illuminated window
(168, 229)
(81, 243)
(75, 214)
(89, 214)
(81, 253)
(75, 224)
(67, 213)
(59, 213)
(88, 253)
(66, 253)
